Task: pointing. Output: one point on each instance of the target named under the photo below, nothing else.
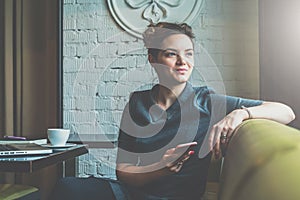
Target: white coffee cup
(58, 136)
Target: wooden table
(41, 171)
(34, 163)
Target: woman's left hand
(222, 131)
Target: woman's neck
(166, 96)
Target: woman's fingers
(217, 150)
(221, 134)
(176, 166)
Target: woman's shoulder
(144, 94)
(203, 90)
(141, 99)
(140, 95)
(202, 97)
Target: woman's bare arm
(267, 110)
(274, 111)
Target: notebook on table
(16, 149)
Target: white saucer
(59, 146)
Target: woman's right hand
(171, 162)
(175, 158)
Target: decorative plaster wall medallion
(134, 15)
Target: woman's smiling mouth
(181, 70)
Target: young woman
(168, 134)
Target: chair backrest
(262, 162)
(20, 192)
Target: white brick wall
(102, 65)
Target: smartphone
(184, 147)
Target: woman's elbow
(281, 112)
(290, 114)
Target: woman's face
(174, 63)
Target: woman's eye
(189, 54)
(170, 54)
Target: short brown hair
(156, 33)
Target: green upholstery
(214, 170)
(262, 163)
(213, 179)
(21, 192)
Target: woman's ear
(150, 58)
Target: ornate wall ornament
(134, 15)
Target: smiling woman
(175, 61)
(163, 127)
(103, 62)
